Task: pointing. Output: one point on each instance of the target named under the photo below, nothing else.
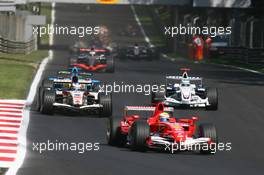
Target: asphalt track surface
(239, 120)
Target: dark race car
(137, 52)
(93, 59)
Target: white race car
(186, 91)
(73, 93)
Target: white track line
(141, 27)
(32, 92)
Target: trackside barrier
(8, 46)
(242, 54)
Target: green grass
(15, 79)
(16, 73)
(17, 70)
(33, 57)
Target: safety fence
(7, 46)
(241, 54)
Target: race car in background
(186, 91)
(74, 91)
(138, 52)
(93, 59)
(160, 131)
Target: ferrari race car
(137, 52)
(93, 59)
(75, 91)
(160, 131)
(186, 91)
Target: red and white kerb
(11, 112)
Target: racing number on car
(107, 1)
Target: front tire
(114, 135)
(208, 130)
(106, 102)
(47, 84)
(110, 64)
(139, 133)
(47, 102)
(212, 96)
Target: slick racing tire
(110, 64)
(47, 84)
(106, 102)
(139, 133)
(47, 102)
(39, 99)
(212, 96)
(157, 97)
(208, 130)
(114, 135)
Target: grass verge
(18, 70)
(16, 73)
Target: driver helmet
(185, 82)
(75, 82)
(164, 117)
(75, 79)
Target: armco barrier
(7, 46)
(241, 54)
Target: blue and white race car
(185, 91)
(74, 90)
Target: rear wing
(183, 78)
(67, 80)
(147, 108)
(79, 73)
(96, 50)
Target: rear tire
(110, 64)
(106, 101)
(139, 133)
(208, 130)
(39, 98)
(47, 102)
(114, 135)
(212, 96)
(46, 83)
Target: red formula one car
(159, 130)
(93, 59)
